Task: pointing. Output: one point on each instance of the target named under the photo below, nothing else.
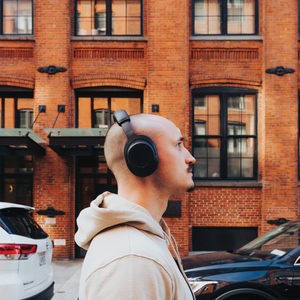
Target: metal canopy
(77, 141)
(20, 141)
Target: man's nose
(190, 159)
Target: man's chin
(190, 189)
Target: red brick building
(225, 72)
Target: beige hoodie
(128, 256)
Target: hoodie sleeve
(130, 278)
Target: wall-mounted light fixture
(60, 108)
(42, 109)
(155, 108)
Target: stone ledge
(229, 184)
(226, 38)
(16, 37)
(110, 38)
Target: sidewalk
(66, 278)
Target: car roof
(5, 205)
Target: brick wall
(167, 66)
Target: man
(127, 240)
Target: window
(16, 172)
(16, 16)
(225, 134)
(25, 118)
(96, 109)
(16, 112)
(108, 17)
(222, 17)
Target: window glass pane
(9, 25)
(214, 147)
(241, 16)
(200, 127)
(236, 146)
(133, 26)
(207, 168)
(84, 112)
(92, 164)
(233, 167)
(130, 105)
(213, 102)
(200, 168)
(25, 112)
(9, 120)
(100, 18)
(85, 17)
(200, 104)
(204, 147)
(10, 7)
(247, 168)
(214, 168)
(25, 118)
(0, 112)
(24, 22)
(249, 121)
(18, 190)
(101, 119)
(207, 16)
(248, 114)
(119, 17)
(119, 25)
(133, 8)
(200, 147)
(213, 125)
(18, 164)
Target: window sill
(17, 37)
(226, 38)
(110, 38)
(231, 184)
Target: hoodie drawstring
(175, 253)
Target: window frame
(224, 21)
(2, 19)
(109, 21)
(26, 177)
(224, 136)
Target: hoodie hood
(109, 210)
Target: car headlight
(199, 286)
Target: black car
(267, 268)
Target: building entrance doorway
(93, 178)
(94, 109)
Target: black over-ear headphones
(140, 151)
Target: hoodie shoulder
(110, 210)
(122, 241)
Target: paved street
(66, 278)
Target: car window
(276, 243)
(19, 222)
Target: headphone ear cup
(141, 155)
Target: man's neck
(152, 200)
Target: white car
(25, 255)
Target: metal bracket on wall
(51, 212)
(280, 71)
(51, 70)
(277, 222)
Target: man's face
(174, 171)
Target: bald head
(146, 124)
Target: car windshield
(274, 244)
